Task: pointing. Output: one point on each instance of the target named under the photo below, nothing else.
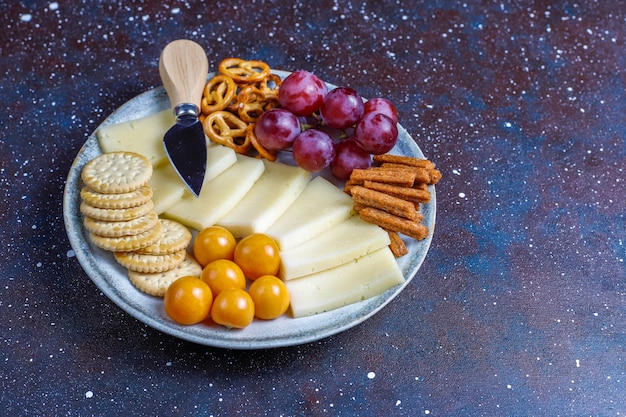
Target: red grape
(342, 107)
(302, 93)
(381, 105)
(376, 133)
(349, 156)
(276, 129)
(313, 150)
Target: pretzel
(250, 103)
(270, 86)
(263, 153)
(219, 92)
(227, 129)
(242, 71)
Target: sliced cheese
(219, 158)
(167, 186)
(143, 136)
(355, 281)
(218, 196)
(347, 241)
(270, 196)
(318, 208)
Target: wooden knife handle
(183, 66)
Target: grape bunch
(323, 128)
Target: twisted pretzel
(263, 153)
(242, 71)
(270, 85)
(251, 103)
(227, 129)
(219, 92)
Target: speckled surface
(520, 306)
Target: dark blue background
(519, 308)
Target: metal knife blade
(183, 67)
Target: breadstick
(402, 177)
(397, 224)
(404, 160)
(415, 195)
(435, 176)
(421, 174)
(385, 202)
(397, 246)
(421, 186)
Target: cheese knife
(183, 67)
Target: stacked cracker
(119, 216)
(389, 194)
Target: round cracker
(117, 201)
(116, 215)
(121, 228)
(139, 262)
(157, 283)
(117, 172)
(174, 237)
(127, 243)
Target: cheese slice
(347, 241)
(218, 159)
(355, 281)
(318, 208)
(218, 196)
(143, 136)
(270, 196)
(168, 188)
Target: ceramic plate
(112, 279)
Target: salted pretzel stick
(402, 177)
(397, 246)
(404, 160)
(396, 224)
(415, 195)
(382, 201)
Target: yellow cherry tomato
(223, 274)
(270, 296)
(233, 308)
(212, 243)
(188, 300)
(257, 255)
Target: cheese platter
(112, 280)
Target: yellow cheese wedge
(318, 208)
(167, 186)
(143, 136)
(218, 196)
(347, 241)
(270, 196)
(357, 280)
